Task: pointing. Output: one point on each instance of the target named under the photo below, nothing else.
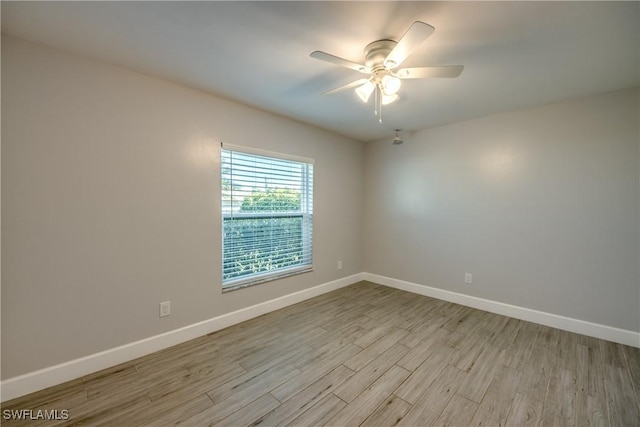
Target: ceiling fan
(382, 58)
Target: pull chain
(375, 100)
(380, 105)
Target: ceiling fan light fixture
(390, 64)
(365, 91)
(388, 99)
(391, 84)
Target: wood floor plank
(111, 375)
(457, 339)
(548, 337)
(458, 412)
(313, 372)
(228, 400)
(591, 406)
(461, 320)
(251, 378)
(371, 352)
(435, 398)
(419, 353)
(102, 412)
(591, 411)
(227, 404)
(560, 402)
(517, 354)
(305, 359)
(588, 341)
(368, 401)
(632, 355)
(418, 336)
(595, 371)
(353, 317)
(409, 323)
(480, 374)
(469, 351)
(566, 350)
(373, 335)
(621, 400)
(350, 333)
(597, 413)
(350, 389)
(536, 373)
(424, 375)
(165, 412)
(582, 384)
(497, 400)
(178, 389)
(177, 357)
(388, 414)
(613, 354)
(247, 414)
(525, 412)
(320, 413)
(278, 352)
(445, 310)
(302, 401)
(506, 334)
(134, 385)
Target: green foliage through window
(261, 245)
(273, 200)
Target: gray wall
(110, 204)
(540, 205)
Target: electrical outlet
(339, 265)
(468, 278)
(165, 308)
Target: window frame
(306, 214)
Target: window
(267, 216)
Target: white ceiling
(516, 54)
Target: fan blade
(416, 34)
(424, 72)
(323, 56)
(347, 86)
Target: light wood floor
(364, 355)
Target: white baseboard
(596, 330)
(43, 378)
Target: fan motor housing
(376, 52)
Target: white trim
(265, 153)
(47, 377)
(596, 330)
(257, 279)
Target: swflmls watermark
(39, 414)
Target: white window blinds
(267, 216)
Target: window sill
(259, 280)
